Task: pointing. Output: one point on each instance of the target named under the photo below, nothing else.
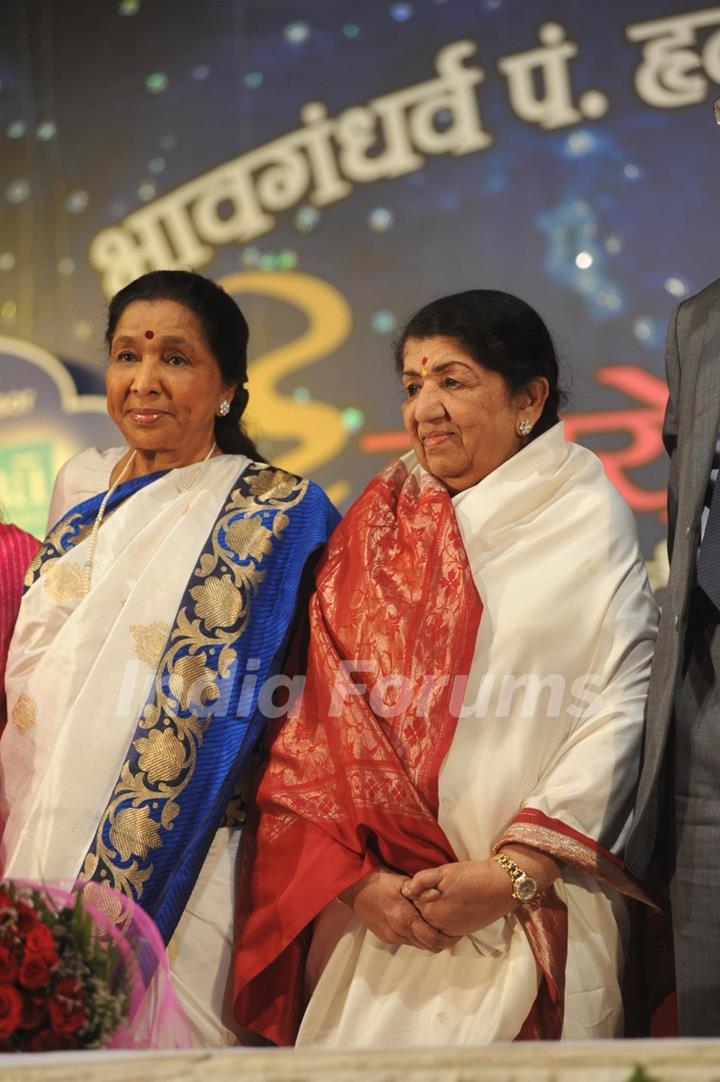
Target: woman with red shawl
(440, 823)
(17, 549)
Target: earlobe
(227, 401)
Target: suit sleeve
(670, 425)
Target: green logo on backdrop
(26, 478)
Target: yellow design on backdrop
(316, 427)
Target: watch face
(525, 888)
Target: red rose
(70, 988)
(67, 1013)
(46, 1041)
(34, 1012)
(26, 918)
(10, 1010)
(34, 972)
(8, 965)
(41, 941)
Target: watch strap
(516, 874)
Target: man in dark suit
(676, 829)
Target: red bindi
(149, 334)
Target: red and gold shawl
(352, 779)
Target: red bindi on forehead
(149, 334)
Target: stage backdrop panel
(335, 166)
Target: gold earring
(524, 427)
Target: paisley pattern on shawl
(352, 779)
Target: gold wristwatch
(525, 888)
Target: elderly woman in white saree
(173, 569)
(438, 853)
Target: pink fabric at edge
(17, 549)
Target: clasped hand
(433, 908)
(463, 897)
(378, 901)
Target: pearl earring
(224, 408)
(525, 427)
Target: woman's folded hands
(433, 908)
(378, 901)
(463, 897)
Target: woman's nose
(146, 377)
(428, 402)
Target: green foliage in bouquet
(63, 983)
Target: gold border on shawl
(546, 926)
(577, 854)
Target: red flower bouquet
(63, 982)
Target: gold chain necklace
(88, 569)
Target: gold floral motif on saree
(250, 538)
(217, 601)
(161, 755)
(192, 682)
(134, 833)
(102, 898)
(68, 532)
(23, 716)
(63, 582)
(198, 657)
(150, 641)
